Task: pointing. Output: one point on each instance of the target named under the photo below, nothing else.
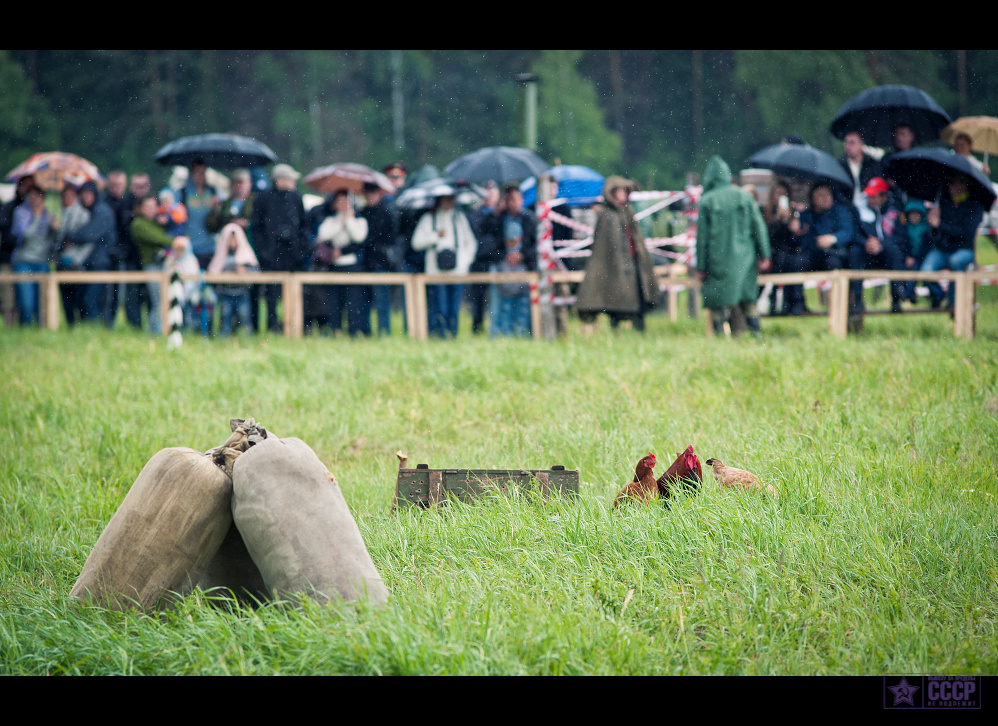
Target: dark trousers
(133, 299)
(791, 261)
(255, 306)
(478, 301)
(355, 300)
(889, 258)
(272, 294)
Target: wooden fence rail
(671, 278)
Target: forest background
(654, 116)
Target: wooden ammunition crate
(426, 487)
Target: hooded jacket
(731, 238)
(101, 231)
(616, 279)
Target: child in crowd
(511, 300)
(198, 298)
(233, 254)
(917, 242)
(172, 215)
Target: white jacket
(427, 237)
(342, 230)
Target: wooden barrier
(414, 287)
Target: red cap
(876, 186)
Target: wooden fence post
(838, 305)
(963, 306)
(164, 304)
(419, 326)
(409, 294)
(539, 323)
(294, 313)
(50, 293)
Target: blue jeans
(954, 261)
(512, 316)
(155, 319)
(231, 306)
(445, 306)
(382, 295)
(27, 292)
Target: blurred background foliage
(654, 116)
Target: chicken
(728, 476)
(644, 485)
(685, 470)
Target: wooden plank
(436, 487)
(544, 482)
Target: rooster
(732, 478)
(685, 470)
(644, 485)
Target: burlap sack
(233, 569)
(297, 527)
(168, 527)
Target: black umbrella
(876, 112)
(497, 163)
(802, 162)
(922, 173)
(222, 151)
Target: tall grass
(880, 555)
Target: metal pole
(529, 82)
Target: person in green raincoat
(732, 246)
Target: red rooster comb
(690, 458)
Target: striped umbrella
(53, 169)
(346, 175)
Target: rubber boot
(717, 320)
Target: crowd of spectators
(877, 227)
(194, 228)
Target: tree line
(651, 115)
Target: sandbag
(232, 568)
(297, 526)
(168, 527)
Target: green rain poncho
(731, 238)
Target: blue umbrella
(579, 185)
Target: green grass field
(881, 554)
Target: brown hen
(644, 485)
(732, 478)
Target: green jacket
(150, 238)
(218, 218)
(731, 238)
(615, 281)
